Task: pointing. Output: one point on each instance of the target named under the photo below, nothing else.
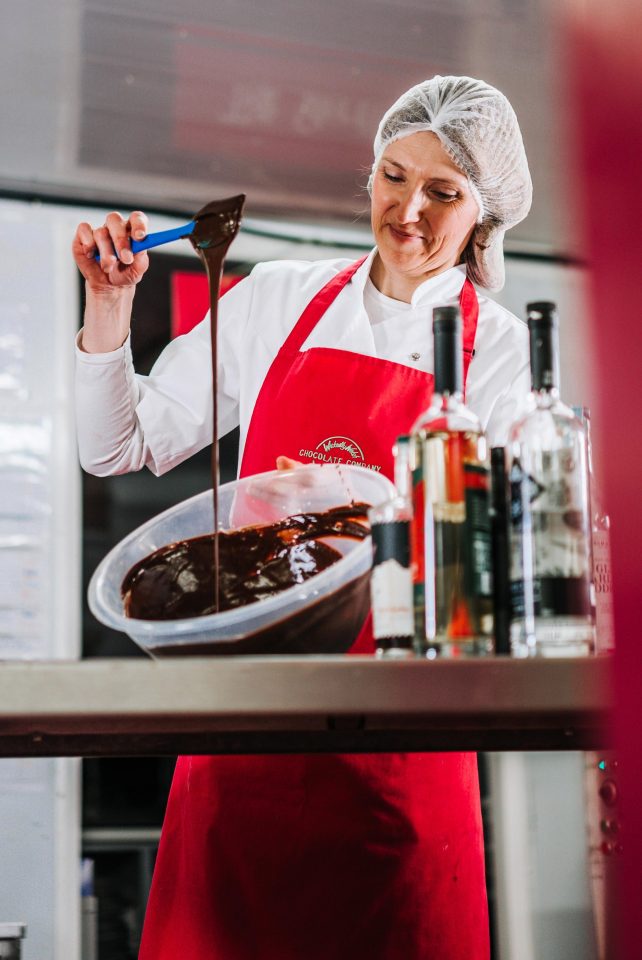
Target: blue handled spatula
(225, 210)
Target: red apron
(325, 857)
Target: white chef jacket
(126, 421)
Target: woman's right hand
(110, 281)
(111, 271)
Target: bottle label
(391, 595)
(391, 581)
(478, 570)
(552, 596)
(550, 557)
(451, 539)
(604, 634)
(391, 541)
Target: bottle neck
(546, 396)
(447, 399)
(447, 411)
(544, 358)
(402, 468)
(449, 377)
(583, 414)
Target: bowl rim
(307, 592)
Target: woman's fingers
(138, 226)
(123, 275)
(287, 463)
(105, 248)
(85, 239)
(83, 248)
(118, 230)
(118, 266)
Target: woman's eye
(444, 197)
(391, 178)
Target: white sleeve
(126, 421)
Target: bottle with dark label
(549, 505)
(450, 539)
(391, 580)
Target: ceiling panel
(168, 104)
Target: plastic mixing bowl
(322, 615)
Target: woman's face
(423, 212)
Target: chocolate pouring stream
(217, 224)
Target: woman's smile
(402, 235)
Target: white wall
(39, 564)
(540, 857)
(528, 280)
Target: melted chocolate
(217, 224)
(177, 581)
(306, 631)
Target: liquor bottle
(391, 580)
(601, 547)
(450, 533)
(550, 524)
(499, 524)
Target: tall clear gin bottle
(391, 580)
(450, 533)
(550, 533)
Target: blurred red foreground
(604, 47)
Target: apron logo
(352, 449)
(339, 450)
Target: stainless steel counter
(305, 704)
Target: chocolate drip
(256, 562)
(217, 224)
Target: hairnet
(478, 128)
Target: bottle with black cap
(550, 531)
(450, 532)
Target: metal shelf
(302, 704)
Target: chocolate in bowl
(177, 581)
(330, 625)
(270, 625)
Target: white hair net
(478, 128)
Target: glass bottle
(450, 533)
(550, 524)
(601, 547)
(391, 580)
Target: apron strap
(469, 305)
(317, 307)
(320, 302)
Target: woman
(303, 858)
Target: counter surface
(135, 707)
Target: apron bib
(325, 857)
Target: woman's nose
(411, 206)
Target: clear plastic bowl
(322, 615)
